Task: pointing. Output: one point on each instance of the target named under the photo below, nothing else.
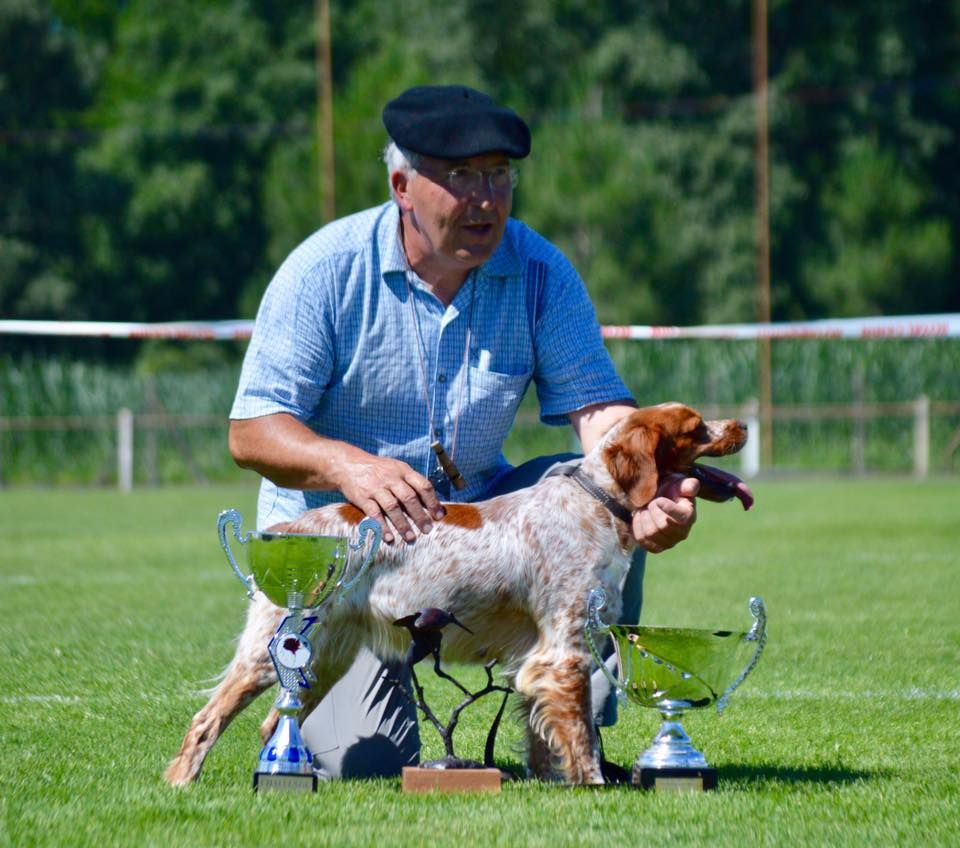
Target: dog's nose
(742, 424)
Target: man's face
(453, 224)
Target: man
(388, 359)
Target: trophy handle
(232, 516)
(596, 601)
(367, 526)
(758, 634)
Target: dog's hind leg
(250, 672)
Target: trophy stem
(672, 762)
(286, 764)
(672, 746)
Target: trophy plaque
(675, 669)
(298, 572)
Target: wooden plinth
(416, 779)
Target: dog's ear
(631, 458)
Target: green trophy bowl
(297, 572)
(675, 669)
(292, 566)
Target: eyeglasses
(465, 180)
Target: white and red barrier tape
(945, 325)
(204, 330)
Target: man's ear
(631, 461)
(399, 182)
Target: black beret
(454, 122)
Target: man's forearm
(290, 454)
(591, 422)
(287, 452)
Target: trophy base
(698, 779)
(418, 779)
(291, 784)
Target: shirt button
(441, 378)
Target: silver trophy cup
(299, 572)
(675, 669)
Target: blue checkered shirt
(336, 345)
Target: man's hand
(286, 451)
(669, 517)
(390, 489)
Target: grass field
(116, 610)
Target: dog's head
(656, 441)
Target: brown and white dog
(515, 569)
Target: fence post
(858, 432)
(125, 449)
(921, 437)
(750, 455)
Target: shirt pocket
(493, 401)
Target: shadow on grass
(746, 777)
(825, 775)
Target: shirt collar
(504, 263)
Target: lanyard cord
(436, 446)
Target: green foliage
(880, 235)
(177, 167)
(76, 444)
(161, 158)
(42, 90)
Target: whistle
(448, 466)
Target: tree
(190, 103)
(159, 159)
(884, 250)
(43, 92)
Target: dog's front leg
(558, 689)
(540, 758)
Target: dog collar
(575, 473)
